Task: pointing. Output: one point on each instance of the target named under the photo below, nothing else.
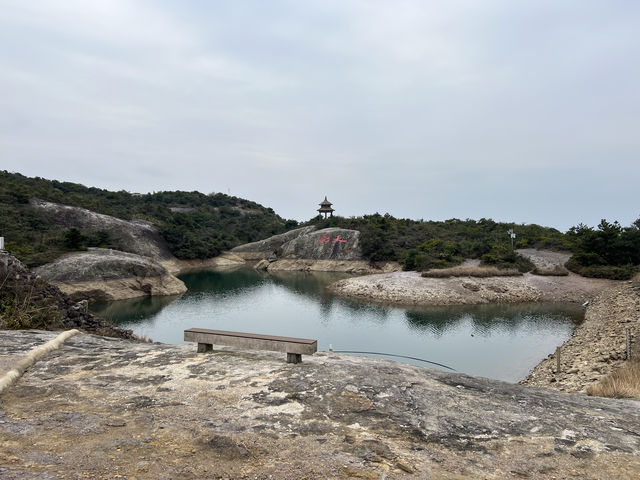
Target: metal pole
(558, 360)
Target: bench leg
(204, 347)
(294, 358)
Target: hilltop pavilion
(325, 208)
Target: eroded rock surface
(98, 408)
(308, 249)
(325, 244)
(102, 275)
(269, 246)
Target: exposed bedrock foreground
(100, 407)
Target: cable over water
(395, 355)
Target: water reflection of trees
(487, 318)
(227, 286)
(310, 284)
(133, 310)
(223, 281)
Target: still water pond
(502, 342)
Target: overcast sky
(524, 111)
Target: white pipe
(13, 375)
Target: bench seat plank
(251, 341)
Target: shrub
(20, 309)
(73, 239)
(623, 382)
(506, 258)
(610, 251)
(481, 272)
(556, 271)
(602, 271)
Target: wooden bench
(293, 347)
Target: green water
(496, 341)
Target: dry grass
(622, 383)
(556, 271)
(142, 339)
(481, 272)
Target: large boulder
(102, 275)
(305, 243)
(269, 246)
(325, 244)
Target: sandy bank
(409, 288)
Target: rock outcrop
(164, 411)
(307, 249)
(269, 246)
(225, 261)
(100, 274)
(45, 304)
(327, 244)
(135, 236)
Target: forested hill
(607, 251)
(195, 225)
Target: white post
(1, 243)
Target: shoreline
(410, 289)
(597, 346)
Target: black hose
(394, 355)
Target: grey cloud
(522, 111)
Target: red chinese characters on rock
(327, 239)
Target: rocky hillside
(42, 219)
(164, 411)
(135, 236)
(27, 301)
